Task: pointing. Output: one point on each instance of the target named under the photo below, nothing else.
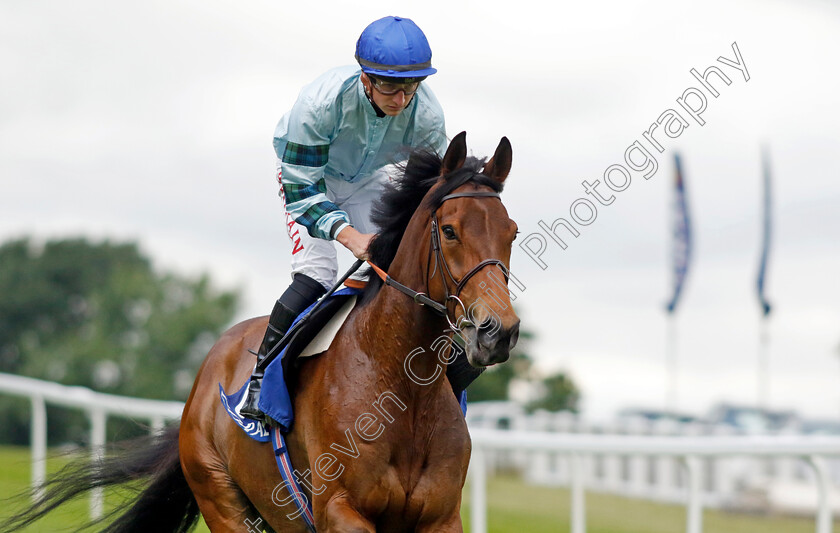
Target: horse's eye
(449, 233)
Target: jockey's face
(390, 104)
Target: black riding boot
(278, 324)
(301, 294)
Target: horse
(379, 441)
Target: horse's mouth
(487, 347)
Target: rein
(422, 298)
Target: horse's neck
(395, 327)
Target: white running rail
(98, 407)
(690, 450)
(576, 447)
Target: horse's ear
(456, 154)
(498, 167)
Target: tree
(559, 394)
(98, 315)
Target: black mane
(400, 199)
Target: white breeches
(317, 258)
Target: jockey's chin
(487, 346)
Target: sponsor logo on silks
(294, 236)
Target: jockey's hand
(355, 241)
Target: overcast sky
(153, 122)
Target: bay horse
(379, 440)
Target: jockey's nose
(399, 98)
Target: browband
(470, 194)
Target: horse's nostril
(514, 336)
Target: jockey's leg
(314, 268)
(302, 293)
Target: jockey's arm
(355, 241)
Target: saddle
(321, 328)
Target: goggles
(389, 88)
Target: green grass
(513, 507)
(15, 474)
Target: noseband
(437, 252)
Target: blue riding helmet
(394, 47)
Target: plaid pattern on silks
(333, 136)
(315, 213)
(307, 156)
(295, 193)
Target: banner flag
(681, 252)
(766, 233)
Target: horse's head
(472, 236)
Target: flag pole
(763, 364)
(672, 366)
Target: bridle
(436, 252)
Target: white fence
(98, 407)
(588, 460)
(579, 449)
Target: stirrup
(250, 409)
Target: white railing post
(665, 485)
(578, 507)
(38, 438)
(612, 465)
(157, 425)
(824, 506)
(97, 450)
(694, 510)
(478, 490)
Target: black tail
(164, 504)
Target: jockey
(334, 151)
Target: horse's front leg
(339, 516)
(451, 524)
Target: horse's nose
(497, 341)
(488, 334)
